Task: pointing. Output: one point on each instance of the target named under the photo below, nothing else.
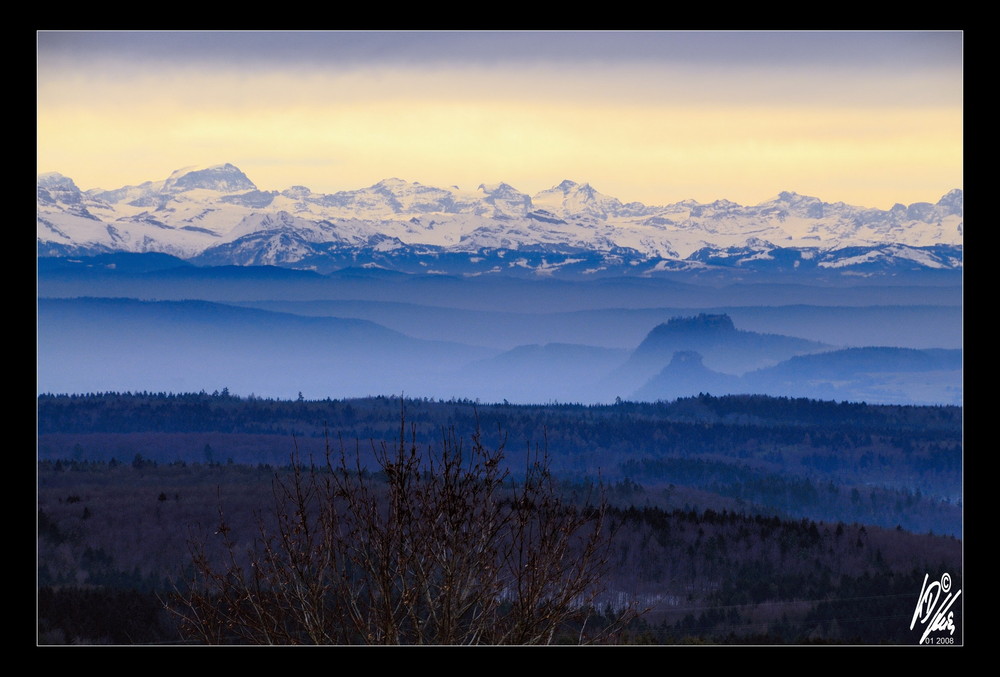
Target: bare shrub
(433, 548)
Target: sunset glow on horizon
(865, 118)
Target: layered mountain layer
(104, 344)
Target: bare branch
(438, 547)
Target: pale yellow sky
(653, 129)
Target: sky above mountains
(868, 118)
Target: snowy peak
(501, 189)
(200, 209)
(758, 244)
(953, 202)
(412, 198)
(53, 187)
(385, 199)
(55, 180)
(570, 199)
(296, 193)
(793, 204)
(807, 207)
(225, 178)
(393, 185)
(715, 210)
(792, 198)
(145, 194)
(258, 222)
(506, 200)
(59, 194)
(260, 225)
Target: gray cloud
(893, 50)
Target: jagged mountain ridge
(217, 215)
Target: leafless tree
(433, 548)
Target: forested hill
(223, 412)
(875, 464)
(741, 519)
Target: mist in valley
(523, 341)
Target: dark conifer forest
(740, 519)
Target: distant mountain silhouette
(711, 327)
(685, 376)
(97, 344)
(723, 347)
(875, 374)
(853, 361)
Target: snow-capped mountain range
(217, 215)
